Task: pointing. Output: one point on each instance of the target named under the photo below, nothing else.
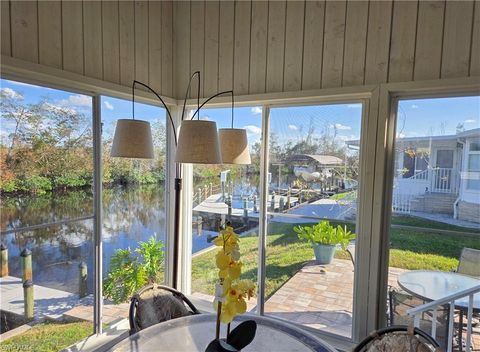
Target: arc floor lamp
(197, 143)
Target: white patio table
(432, 285)
(194, 333)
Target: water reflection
(131, 214)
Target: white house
(439, 174)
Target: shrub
(37, 184)
(71, 180)
(324, 233)
(131, 271)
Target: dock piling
(26, 264)
(199, 225)
(245, 207)
(28, 299)
(289, 192)
(229, 204)
(4, 254)
(82, 282)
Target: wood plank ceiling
(250, 46)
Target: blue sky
(426, 117)
(421, 117)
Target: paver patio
(320, 296)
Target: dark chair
(400, 302)
(468, 264)
(154, 304)
(398, 338)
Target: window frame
(47, 77)
(367, 97)
(390, 95)
(467, 166)
(380, 117)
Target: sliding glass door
(435, 220)
(226, 194)
(312, 203)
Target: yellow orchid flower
(234, 291)
(222, 260)
(240, 306)
(246, 287)
(234, 269)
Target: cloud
(470, 121)
(354, 106)
(293, 127)
(413, 106)
(401, 135)
(350, 137)
(75, 101)
(58, 108)
(10, 93)
(339, 126)
(80, 100)
(108, 105)
(253, 129)
(256, 110)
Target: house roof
(465, 134)
(323, 160)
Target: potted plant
(324, 239)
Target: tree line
(47, 146)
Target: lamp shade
(234, 146)
(198, 143)
(132, 139)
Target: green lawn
(419, 222)
(48, 337)
(286, 254)
(352, 195)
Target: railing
(402, 203)
(421, 175)
(443, 180)
(450, 300)
(436, 180)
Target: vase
(323, 253)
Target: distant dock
(214, 205)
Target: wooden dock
(215, 205)
(52, 304)
(48, 303)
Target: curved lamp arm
(230, 92)
(196, 73)
(160, 98)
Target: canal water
(131, 214)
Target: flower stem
(217, 328)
